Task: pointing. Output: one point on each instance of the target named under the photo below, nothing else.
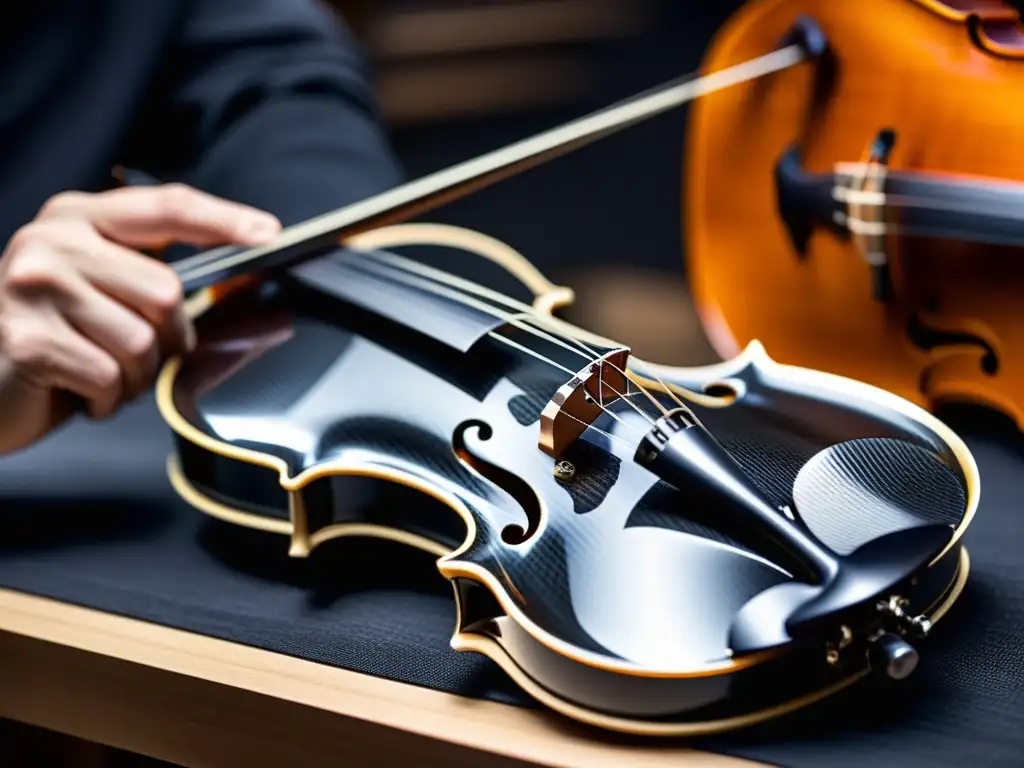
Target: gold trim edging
(486, 646)
(491, 649)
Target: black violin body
(604, 578)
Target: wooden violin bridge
(581, 400)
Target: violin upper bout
(994, 25)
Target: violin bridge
(577, 403)
(865, 201)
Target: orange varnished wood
(947, 76)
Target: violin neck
(379, 286)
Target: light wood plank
(198, 701)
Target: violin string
(427, 285)
(529, 311)
(628, 427)
(403, 272)
(601, 405)
(484, 307)
(891, 200)
(527, 350)
(409, 265)
(455, 295)
(609, 435)
(597, 358)
(898, 200)
(666, 388)
(643, 390)
(405, 264)
(510, 319)
(626, 374)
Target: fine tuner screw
(896, 607)
(564, 470)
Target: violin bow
(326, 232)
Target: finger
(84, 369)
(152, 217)
(117, 330)
(55, 257)
(48, 352)
(152, 289)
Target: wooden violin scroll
(863, 214)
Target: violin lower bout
(730, 695)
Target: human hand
(84, 313)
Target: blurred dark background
(458, 78)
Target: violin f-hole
(514, 486)
(927, 337)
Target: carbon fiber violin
(646, 548)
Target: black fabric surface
(88, 518)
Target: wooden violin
(649, 549)
(880, 195)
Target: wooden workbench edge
(189, 699)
